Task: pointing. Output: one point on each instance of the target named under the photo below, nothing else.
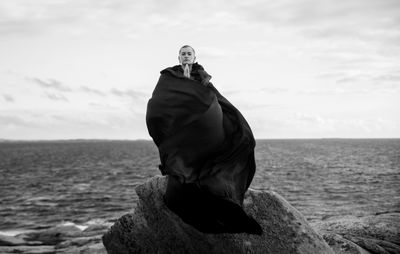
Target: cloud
(385, 79)
(95, 120)
(308, 118)
(268, 90)
(56, 97)
(57, 85)
(129, 17)
(362, 82)
(318, 18)
(314, 14)
(258, 106)
(8, 98)
(13, 121)
(46, 17)
(91, 91)
(103, 106)
(345, 35)
(50, 83)
(365, 20)
(25, 28)
(211, 52)
(356, 127)
(339, 91)
(350, 79)
(389, 77)
(129, 93)
(274, 90)
(23, 18)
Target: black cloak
(207, 149)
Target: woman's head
(186, 55)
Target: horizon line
(143, 139)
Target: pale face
(186, 56)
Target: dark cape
(207, 149)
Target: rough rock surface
(153, 228)
(378, 233)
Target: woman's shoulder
(200, 74)
(197, 67)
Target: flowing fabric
(207, 149)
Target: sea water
(81, 182)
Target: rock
(153, 228)
(341, 245)
(378, 233)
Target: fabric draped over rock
(205, 145)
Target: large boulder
(379, 233)
(153, 228)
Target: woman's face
(186, 56)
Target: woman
(206, 148)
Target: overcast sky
(295, 69)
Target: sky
(85, 69)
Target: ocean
(48, 183)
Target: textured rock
(341, 245)
(370, 234)
(153, 228)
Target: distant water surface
(47, 183)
